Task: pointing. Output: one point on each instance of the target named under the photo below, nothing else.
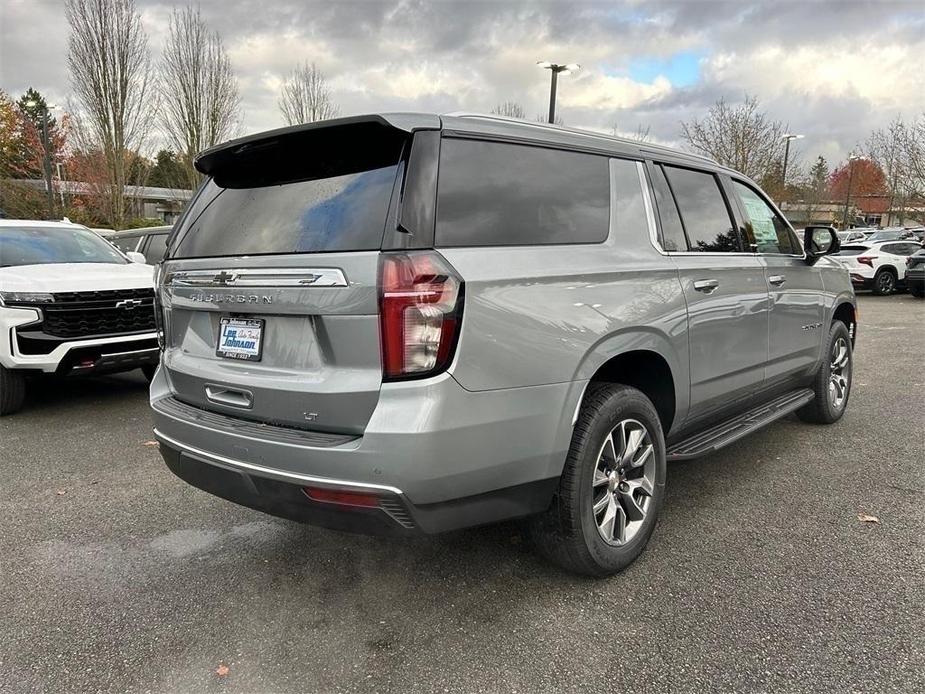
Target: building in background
(163, 204)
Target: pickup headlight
(26, 298)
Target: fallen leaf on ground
(864, 518)
(61, 492)
(149, 443)
(221, 670)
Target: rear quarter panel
(554, 314)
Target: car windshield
(884, 236)
(43, 245)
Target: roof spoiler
(228, 154)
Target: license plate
(240, 338)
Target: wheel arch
(846, 312)
(644, 360)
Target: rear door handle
(706, 286)
(776, 280)
(229, 396)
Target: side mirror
(136, 257)
(819, 241)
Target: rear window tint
(340, 213)
(493, 194)
(852, 250)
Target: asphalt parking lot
(118, 577)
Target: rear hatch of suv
(269, 294)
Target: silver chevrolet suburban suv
(407, 323)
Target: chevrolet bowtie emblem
(224, 278)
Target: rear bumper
(265, 490)
(915, 277)
(436, 456)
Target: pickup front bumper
(86, 355)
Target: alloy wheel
(624, 482)
(886, 282)
(839, 373)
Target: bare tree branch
(510, 109)
(641, 134)
(199, 90)
(111, 79)
(305, 96)
(740, 137)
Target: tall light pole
(556, 69)
(786, 137)
(853, 158)
(46, 159)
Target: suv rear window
(494, 194)
(305, 190)
(852, 250)
(340, 213)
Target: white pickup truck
(70, 302)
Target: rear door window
(703, 211)
(764, 227)
(499, 194)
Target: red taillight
(420, 302)
(341, 498)
(864, 260)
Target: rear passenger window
(672, 231)
(764, 228)
(703, 211)
(493, 194)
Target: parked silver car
(412, 323)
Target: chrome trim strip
(240, 465)
(258, 277)
(650, 209)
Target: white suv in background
(878, 265)
(70, 302)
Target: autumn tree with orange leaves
(867, 178)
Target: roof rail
(643, 146)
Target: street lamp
(853, 158)
(556, 69)
(46, 163)
(787, 137)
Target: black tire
(148, 371)
(568, 533)
(822, 409)
(918, 292)
(12, 391)
(884, 281)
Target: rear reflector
(342, 498)
(420, 302)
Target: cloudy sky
(832, 70)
